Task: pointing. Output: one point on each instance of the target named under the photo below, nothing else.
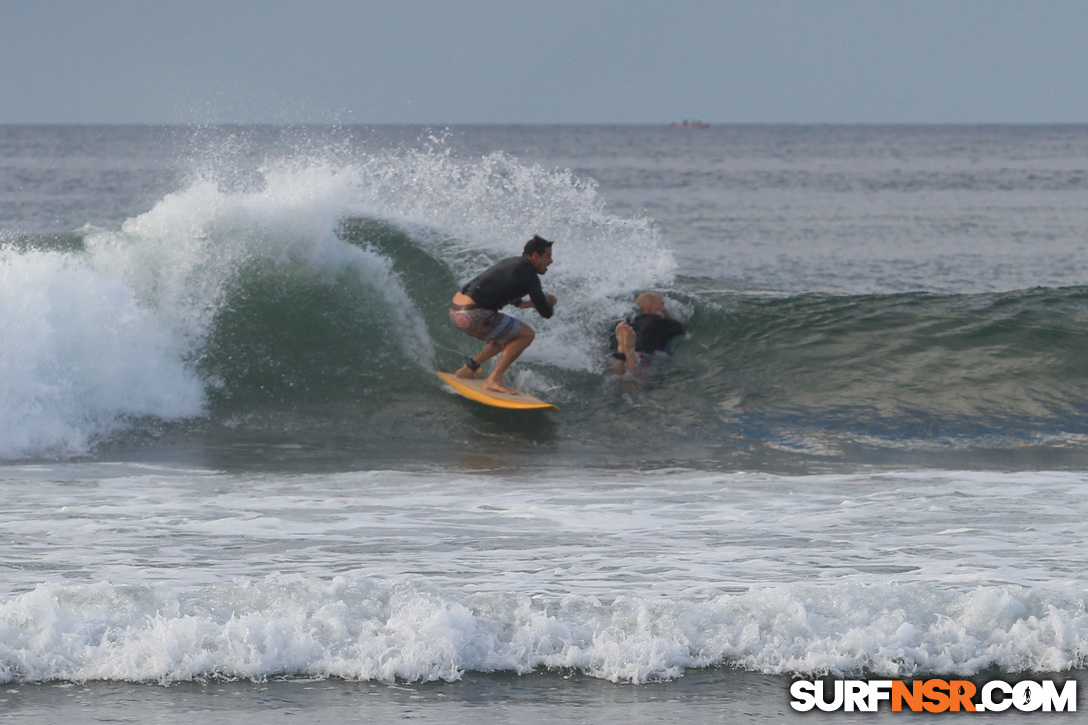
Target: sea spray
(471, 211)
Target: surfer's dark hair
(536, 245)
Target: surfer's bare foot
(499, 388)
(625, 336)
(466, 373)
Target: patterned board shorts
(486, 325)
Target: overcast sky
(543, 61)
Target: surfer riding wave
(475, 310)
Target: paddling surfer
(475, 310)
(634, 343)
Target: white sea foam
(360, 629)
(118, 572)
(79, 355)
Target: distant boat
(689, 124)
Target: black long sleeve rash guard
(505, 283)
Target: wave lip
(360, 629)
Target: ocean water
(235, 489)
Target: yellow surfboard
(474, 390)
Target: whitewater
(227, 463)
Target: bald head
(651, 303)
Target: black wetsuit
(507, 282)
(652, 334)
